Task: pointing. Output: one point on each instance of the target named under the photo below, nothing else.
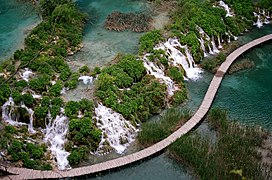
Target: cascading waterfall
(86, 79)
(9, 115)
(215, 50)
(202, 44)
(31, 113)
(116, 130)
(158, 72)
(34, 95)
(228, 36)
(55, 135)
(177, 58)
(259, 22)
(219, 43)
(226, 7)
(26, 74)
(210, 49)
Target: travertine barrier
(23, 173)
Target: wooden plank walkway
(23, 173)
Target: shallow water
(101, 45)
(16, 18)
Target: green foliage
(149, 40)
(176, 74)
(84, 69)
(28, 100)
(155, 131)
(40, 112)
(77, 155)
(4, 93)
(71, 109)
(48, 6)
(55, 89)
(179, 97)
(20, 85)
(211, 64)
(235, 148)
(57, 101)
(265, 4)
(10, 129)
(73, 81)
(40, 83)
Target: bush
(149, 40)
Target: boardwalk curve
(23, 173)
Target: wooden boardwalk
(23, 173)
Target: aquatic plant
(236, 147)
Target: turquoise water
(16, 19)
(159, 168)
(101, 45)
(246, 94)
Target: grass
(236, 149)
(154, 131)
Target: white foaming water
(210, 49)
(259, 22)
(34, 95)
(10, 117)
(55, 135)
(119, 132)
(215, 50)
(30, 125)
(177, 58)
(158, 72)
(86, 79)
(25, 75)
(202, 44)
(8, 113)
(228, 36)
(226, 7)
(219, 43)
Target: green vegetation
(149, 40)
(236, 147)
(155, 131)
(211, 64)
(57, 36)
(31, 155)
(143, 97)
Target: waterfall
(55, 135)
(116, 130)
(259, 22)
(202, 45)
(219, 43)
(177, 58)
(31, 113)
(9, 115)
(86, 79)
(34, 95)
(226, 7)
(158, 72)
(266, 21)
(26, 74)
(215, 50)
(210, 49)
